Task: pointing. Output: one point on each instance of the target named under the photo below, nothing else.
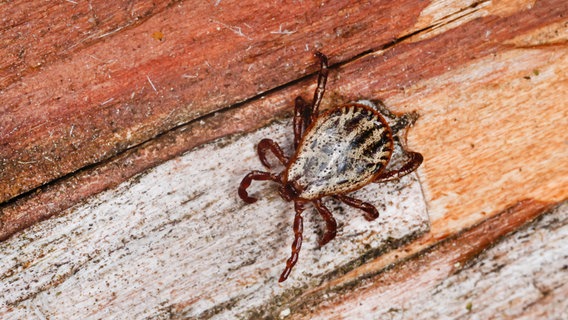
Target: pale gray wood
(177, 241)
(523, 276)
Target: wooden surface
(94, 95)
(444, 283)
(179, 237)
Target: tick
(336, 152)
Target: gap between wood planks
(175, 142)
(353, 56)
(30, 207)
(24, 211)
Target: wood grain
(542, 28)
(446, 282)
(202, 250)
(127, 105)
(127, 87)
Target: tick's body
(343, 150)
(336, 152)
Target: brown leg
(302, 114)
(254, 175)
(297, 244)
(322, 79)
(331, 224)
(414, 161)
(371, 212)
(305, 114)
(268, 144)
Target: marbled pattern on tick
(335, 153)
(344, 149)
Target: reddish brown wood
(487, 79)
(36, 34)
(127, 87)
(78, 133)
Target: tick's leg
(322, 79)
(414, 161)
(305, 114)
(371, 212)
(268, 144)
(302, 114)
(297, 244)
(254, 175)
(330, 223)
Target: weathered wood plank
(522, 276)
(179, 239)
(387, 73)
(37, 34)
(494, 129)
(488, 79)
(127, 87)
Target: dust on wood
(521, 275)
(487, 78)
(178, 235)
